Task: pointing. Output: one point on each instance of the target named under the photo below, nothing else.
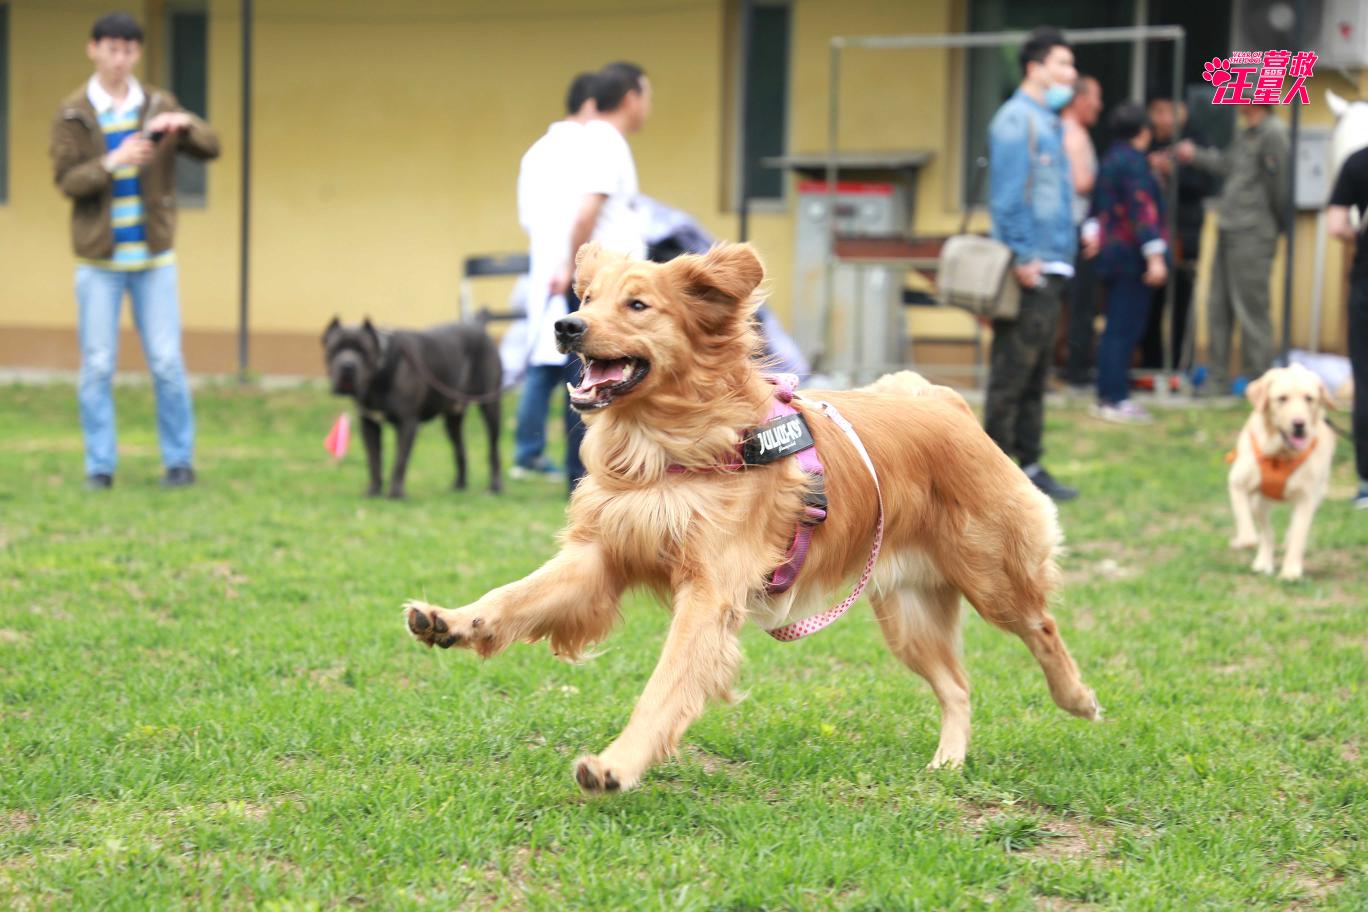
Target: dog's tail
(910, 383)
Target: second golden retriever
(1283, 453)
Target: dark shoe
(178, 477)
(1052, 489)
(99, 482)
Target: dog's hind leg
(922, 628)
(453, 429)
(698, 663)
(490, 411)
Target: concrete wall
(387, 137)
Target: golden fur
(961, 519)
(1281, 398)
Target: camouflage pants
(1014, 411)
(1239, 297)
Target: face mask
(1057, 96)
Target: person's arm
(1337, 223)
(193, 135)
(1082, 165)
(1009, 163)
(1142, 211)
(580, 233)
(79, 176)
(1342, 196)
(1212, 161)
(1274, 153)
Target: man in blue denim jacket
(1029, 195)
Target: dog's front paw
(595, 776)
(1290, 574)
(1263, 563)
(445, 627)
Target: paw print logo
(1216, 71)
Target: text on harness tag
(775, 439)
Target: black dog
(407, 378)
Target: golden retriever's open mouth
(605, 379)
(1297, 439)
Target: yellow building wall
(387, 137)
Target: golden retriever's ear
(1257, 393)
(588, 259)
(724, 278)
(1327, 401)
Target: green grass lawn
(208, 700)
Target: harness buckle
(815, 501)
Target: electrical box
(1314, 179)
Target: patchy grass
(208, 700)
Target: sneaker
(1047, 484)
(178, 477)
(541, 467)
(1127, 411)
(100, 481)
(1361, 501)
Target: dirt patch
(711, 763)
(15, 821)
(1029, 830)
(1313, 886)
(13, 636)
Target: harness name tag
(775, 439)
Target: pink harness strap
(785, 575)
(799, 629)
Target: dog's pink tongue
(600, 373)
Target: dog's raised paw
(596, 777)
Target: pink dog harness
(785, 433)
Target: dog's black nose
(570, 330)
(1299, 427)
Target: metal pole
(1170, 288)
(243, 271)
(829, 265)
(747, 26)
(1288, 257)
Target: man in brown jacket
(114, 145)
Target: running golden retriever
(669, 389)
(1283, 452)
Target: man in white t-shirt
(549, 193)
(608, 210)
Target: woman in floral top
(1128, 234)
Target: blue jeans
(156, 313)
(529, 439)
(1128, 305)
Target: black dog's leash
(1339, 430)
(461, 399)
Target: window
(765, 85)
(4, 102)
(187, 68)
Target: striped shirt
(130, 234)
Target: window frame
(760, 204)
(187, 199)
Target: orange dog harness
(1275, 470)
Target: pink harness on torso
(792, 438)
